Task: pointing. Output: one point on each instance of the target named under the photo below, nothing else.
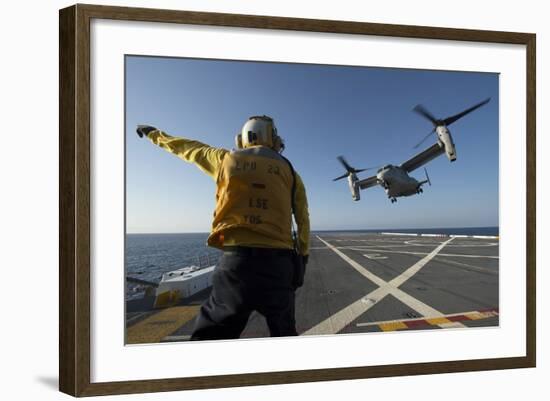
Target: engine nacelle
(445, 138)
(353, 187)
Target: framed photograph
(405, 156)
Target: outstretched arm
(301, 215)
(207, 158)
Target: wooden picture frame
(75, 209)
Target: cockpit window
(386, 167)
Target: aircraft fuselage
(396, 182)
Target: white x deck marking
(371, 249)
(345, 316)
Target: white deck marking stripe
(412, 302)
(463, 245)
(345, 316)
(375, 245)
(473, 268)
(451, 262)
(411, 271)
(334, 323)
(454, 255)
(371, 276)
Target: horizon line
(332, 229)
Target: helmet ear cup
(278, 144)
(239, 141)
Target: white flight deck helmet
(259, 130)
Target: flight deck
(365, 282)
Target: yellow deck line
(156, 327)
(393, 326)
(438, 320)
(472, 315)
(479, 315)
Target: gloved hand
(144, 130)
(300, 262)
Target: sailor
(262, 263)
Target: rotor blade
(345, 163)
(342, 176)
(424, 139)
(452, 119)
(424, 112)
(355, 170)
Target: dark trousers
(247, 281)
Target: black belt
(253, 251)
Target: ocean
(148, 256)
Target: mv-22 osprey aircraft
(395, 179)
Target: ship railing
(206, 260)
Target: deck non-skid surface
(359, 283)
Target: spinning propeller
(446, 121)
(350, 170)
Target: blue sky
(321, 112)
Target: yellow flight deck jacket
(253, 193)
